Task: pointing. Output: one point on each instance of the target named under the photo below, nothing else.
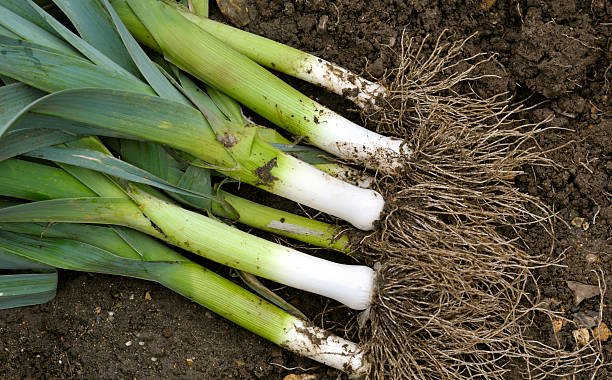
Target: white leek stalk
(352, 285)
(308, 340)
(310, 186)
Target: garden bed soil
(554, 55)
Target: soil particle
(228, 140)
(264, 173)
(306, 23)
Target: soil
(555, 55)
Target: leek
(26, 283)
(201, 54)
(353, 285)
(71, 247)
(246, 212)
(282, 223)
(277, 56)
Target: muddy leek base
(294, 62)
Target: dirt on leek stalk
(554, 55)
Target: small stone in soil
(577, 221)
(582, 336)
(582, 291)
(602, 332)
(592, 258)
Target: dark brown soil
(554, 54)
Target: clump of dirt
(553, 59)
(554, 56)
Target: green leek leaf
(21, 141)
(35, 121)
(201, 100)
(8, 202)
(309, 154)
(198, 179)
(148, 156)
(148, 248)
(89, 51)
(96, 27)
(14, 97)
(17, 290)
(33, 33)
(200, 7)
(4, 32)
(41, 182)
(23, 9)
(152, 74)
(103, 163)
(11, 262)
(142, 116)
(72, 255)
(227, 105)
(72, 210)
(49, 71)
(100, 236)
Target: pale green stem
(283, 223)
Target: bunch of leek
(144, 257)
(111, 89)
(225, 204)
(37, 57)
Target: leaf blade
(13, 98)
(99, 162)
(33, 33)
(42, 182)
(151, 73)
(96, 27)
(18, 290)
(51, 72)
(24, 10)
(21, 141)
(72, 255)
(89, 51)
